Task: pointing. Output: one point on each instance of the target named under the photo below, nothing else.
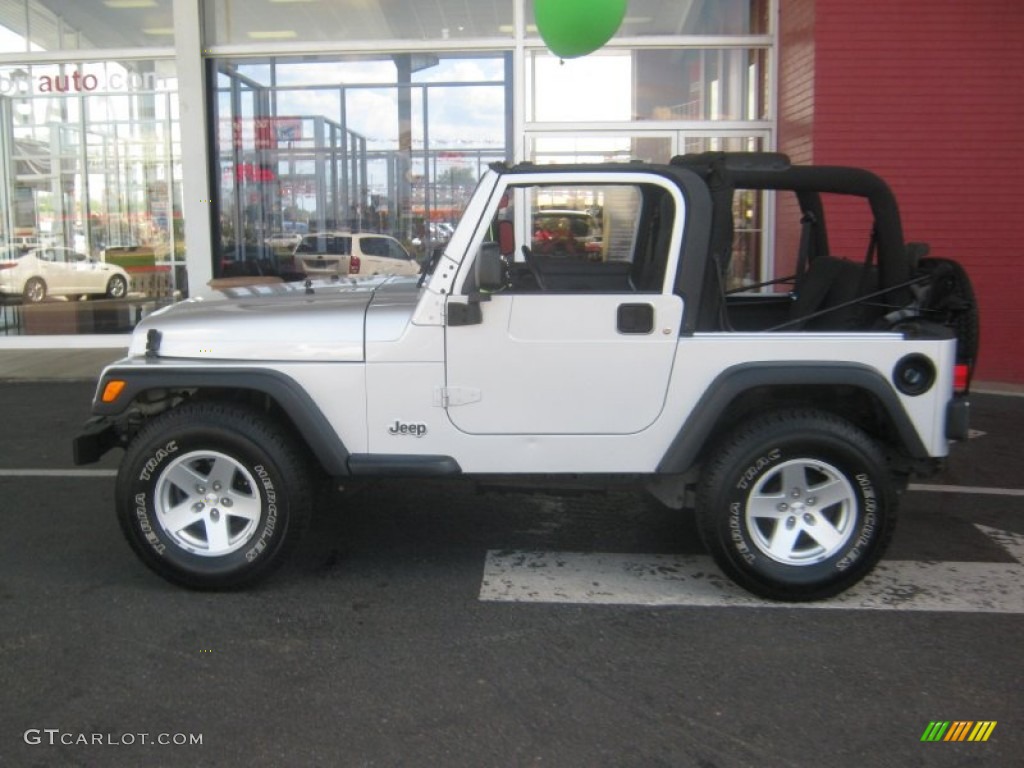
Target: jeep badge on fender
(416, 430)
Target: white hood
(283, 322)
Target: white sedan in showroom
(58, 271)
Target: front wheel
(798, 505)
(212, 496)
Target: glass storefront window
(89, 164)
(667, 85)
(595, 88)
(699, 17)
(58, 25)
(233, 21)
(374, 138)
(393, 146)
(746, 265)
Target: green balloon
(572, 28)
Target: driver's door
(585, 342)
(550, 364)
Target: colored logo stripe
(982, 730)
(958, 730)
(935, 731)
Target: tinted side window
(396, 251)
(374, 246)
(325, 244)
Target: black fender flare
(306, 416)
(698, 428)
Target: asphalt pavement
(378, 646)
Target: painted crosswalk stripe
(694, 580)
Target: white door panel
(549, 364)
(88, 276)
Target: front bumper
(96, 438)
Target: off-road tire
(796, 505)
(213, 496)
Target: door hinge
(448, 397)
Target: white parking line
(58, 473)
(694, 580)
(970, 489)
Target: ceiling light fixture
(274, 34)
(509, 29)
(127, 4)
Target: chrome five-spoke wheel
(213, 495)
(801, 512)
(207, 503)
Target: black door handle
(635, 318)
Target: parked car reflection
(254, 260)
(58, 271)
(353, 253)
(567, 233)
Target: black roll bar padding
(851, 302)
(772, 171)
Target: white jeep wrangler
(789, 419)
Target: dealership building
(176, 138)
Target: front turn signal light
(113, 390)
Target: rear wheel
(212, 496)
(35, 290)
(798, 505)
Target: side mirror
(489, 268)
(488, 271)
(506, 237)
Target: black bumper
(958, 418)
(97, 437)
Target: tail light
(354, 265)
(961, 377)
(8, 264)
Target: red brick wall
(931, 96)
(796, 117)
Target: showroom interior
(178, 138)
